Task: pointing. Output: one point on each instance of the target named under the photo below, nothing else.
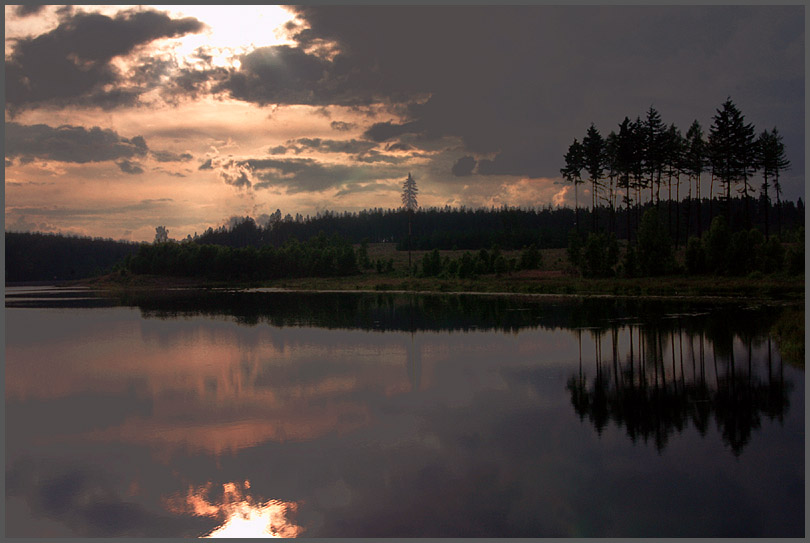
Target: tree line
(48, 257)
(321, 256)
(647, 156)
(431, 228)
(35, 256)
(463, 228)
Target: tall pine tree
(730, 150)
(695, 160)
(574, 162)
(593, 146)
(409, 203)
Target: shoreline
(772, 288)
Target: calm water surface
(360, 415)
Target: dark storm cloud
(387, 130)
(355, 188)
(520, 160)
(288, 75)
(70, 144)
(168, 156)
(71, 63)
(150, 69)
(130, 167)
(334, 146)
(232, 172)
(167, 172)
(277, 150)
(27, 9)
(464, 166)
(398, 147)
(192, 83)
(376, 156)
(237, 178)
(523, 81)
(305, 174)
(341, 126)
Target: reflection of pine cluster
(653, 394)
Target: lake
(254, 413)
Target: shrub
(466, 267)
(499, 265)
(574, 248)
(653, 246)
(530, 258)
(362, 255)
(771, 256)
(795, 259)
(695, 256)
(431, 263)
(600, 255)
(716, 245)
(739, 254)
(484, 264)
(630, 263)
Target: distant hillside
(55, 257)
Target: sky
(122, 118)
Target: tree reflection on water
(678, 363)
(671, 376)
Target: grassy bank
(526, 282)
(550, 283)
(555, 276)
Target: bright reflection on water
(346, 415)
(239, 513)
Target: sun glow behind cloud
(231, 30)
(235, 30)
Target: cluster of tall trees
(647, 157)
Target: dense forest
(48, 257)
(472, 229)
